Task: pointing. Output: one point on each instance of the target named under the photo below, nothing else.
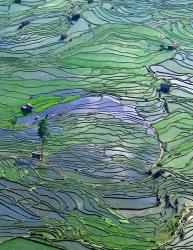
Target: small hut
(173, 46)
(24, 23)
(27, 108)
(63, 36)
(37, 155)
(170, 47)
(158, 173)
(74, 18)
(164, 87)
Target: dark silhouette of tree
(43, 132)
(13, 121)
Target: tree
(43, 132)
(13, 121)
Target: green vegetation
(95, 187)
(23, 244)
(43, 102)
(173, 224)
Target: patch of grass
(41, 103)
(172, 224)
(162, 237)
(71, 98)
(23, 244)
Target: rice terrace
(96, 124)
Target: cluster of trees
(43, 132)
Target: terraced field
(117, 168)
